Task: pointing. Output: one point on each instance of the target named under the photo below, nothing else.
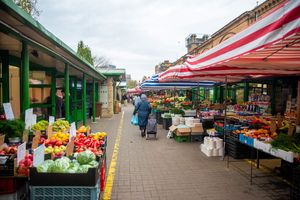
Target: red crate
(8, 185)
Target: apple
(42, 140)
(59, 143)
(27, 162)
(29, 156)
(53, 141)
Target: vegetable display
(287, 143)
(81, 164)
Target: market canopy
(135, 90)
(154, 84)
(269, 47)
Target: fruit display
(40, 126)
(58, 151)
(60, 125)
(261, 134)
(59, 137)
(9, 150)
(81, 164)
(24, 165)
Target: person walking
(143, 109)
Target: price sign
(273, 126)
(72, 131)
(8, 111)
(39, 155)
(25, 136)
(2, 139)
(49, 131)
(28, 116)
(70, 147)
(51, 120)
(21, 152)
(35, 141)
(291, 129)
(33, 119)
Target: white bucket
(175, 121)
(219, 143)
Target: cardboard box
(183, 131)
(197, 130)
(172, 128)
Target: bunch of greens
(287, 143)
(12, 128)
(177, 111)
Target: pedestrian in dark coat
(143, 109)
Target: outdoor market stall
(268, 48)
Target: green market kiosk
(35, 64)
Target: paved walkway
(164, 169)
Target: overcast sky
(137, 34)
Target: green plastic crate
(64, 193)
(186, 138)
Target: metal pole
(84, 99)
(25, 78)
(225, 118)
(53, 93)
(67, 93)
(94, 101)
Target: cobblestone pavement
(164, 169)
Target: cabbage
(85, 157)
(83, 169)
(61, 165)
(93, 164)
(44, 167)
(74, 165)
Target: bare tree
(100, 61)
(29, 6)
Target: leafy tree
(131, 84)
(29, 6)
(84, 52)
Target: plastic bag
(134, 120)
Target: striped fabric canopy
(154, 84)
(269, 47)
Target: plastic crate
(167, 122)
(64, 193)
(197, 138)
(185, 138)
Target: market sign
(104, 96)
(9, 114)
(39, 155)
(21, 152)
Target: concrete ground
(165, 169)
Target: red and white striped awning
(269, 47)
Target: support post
(246, 92)
(25, 78)
(75, 101)
(67, 92)
(5, 76)
(298, 104)
(53, 93)
(273, 98)
(84, 99)
(94, 101)
(215, 94)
